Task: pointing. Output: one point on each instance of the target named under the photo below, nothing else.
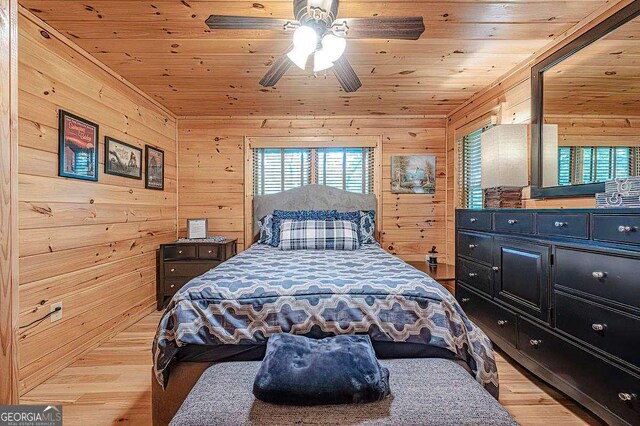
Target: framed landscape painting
(122, 159)
(413, 174)
(78, 147)
(154, 168)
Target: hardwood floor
(111, 385)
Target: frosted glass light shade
(550, 155)
(505, 156)
(299, 58)
(305, 39)
(333, 46)
(321, 61)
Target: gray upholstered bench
(424, 392)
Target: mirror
(586, 96)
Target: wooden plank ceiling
(164, 47)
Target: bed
(228, 313)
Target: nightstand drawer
(190, 269)
(171, 286)
(180, 251)
(210, 251)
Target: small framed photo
(78, 147)
(154, 168)
(122, 159)
(197, 228)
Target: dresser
(181, 262)
(559, 292)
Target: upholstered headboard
(310, 197)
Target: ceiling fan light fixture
(334, 46)
(305, 39)
(321, 61)
(299, 57)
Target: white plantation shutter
(469, 170)
(276, 170)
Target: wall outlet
(56, 316)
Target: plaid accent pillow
(266, 229)
(280, 215)
(319, 235)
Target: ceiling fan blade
(346, 75)
(276, 72)
(399, 28)
(219, 22)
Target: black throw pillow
(297, 370)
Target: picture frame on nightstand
(197, 229)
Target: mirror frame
(616, 20)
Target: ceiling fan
(320, 38)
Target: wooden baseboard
(130, 317)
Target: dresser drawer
(521, 223)
(610, 277)
(475, 275)
(585, 372)
(488, 315)
(476, 246)
(612, 331)
(180, 251)
(563, 225)
(213, 251)
(474, 220)
(187, 269)
(616, 228)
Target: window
(587, 164)
(469, 170)
(279, 169)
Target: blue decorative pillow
(319, 235)
(266, 229)
(279, 215)
(367, 229)
(297, 370)
(352, 216)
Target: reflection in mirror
(592, 101)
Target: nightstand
(444, 274)
(181, 262)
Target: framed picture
(122, 159)
(78, 147)
(197, 228)
(413, 174)
(154, 168)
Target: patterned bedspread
(264, 290)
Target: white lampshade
(549, 155)
(333, 46)
(505, 156)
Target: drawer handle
(173, 285)
(179, 251)
(502, 323)
(626, 397)
(472, 246)
(512, 221)
(473, 220)
(598, 327)
(560, 224)
(464, 300)
(535, 343)
(472, 274)
(495, 268)
(624, 229)
(210, 251)
(173, 269)
(598, 275)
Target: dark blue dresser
(559, 292)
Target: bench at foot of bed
(423, 392)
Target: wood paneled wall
(8, 202)
(210, 169)
(91, 245)
(508, 101)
